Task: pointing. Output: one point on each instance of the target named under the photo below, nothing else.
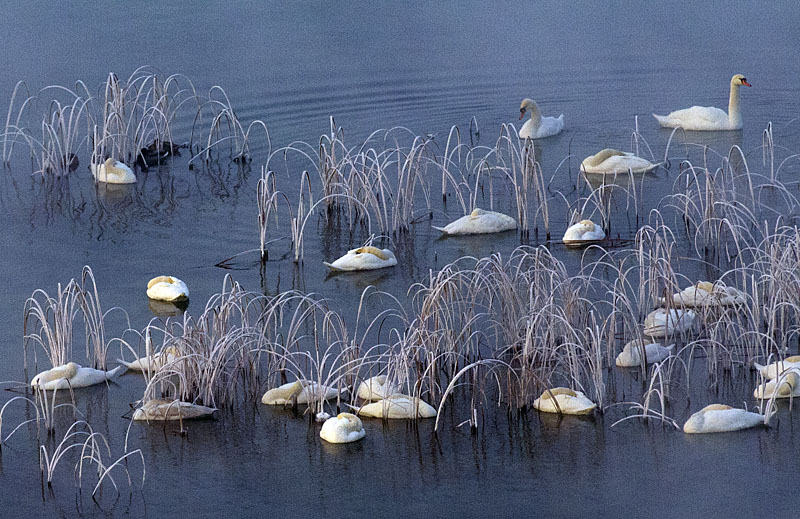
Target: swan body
(364, 258)
(377, 388)
(162, 410)
(583, 232)
(343, 428)
(777, 368)
(152, 362)
(167, 288)
(631, 355)
(538, 127)
(72, 375)
(788, 385)
(662, 322)
(705, 293)
(113, 172)
(717, 418)
(398, 406)
(479, 222)
(708, 118)
(564, 401)
(610, 162)
(303, 390)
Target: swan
(705, 293)
(364, 258)
(72, 375)
(538, 127)
(716, 418)
(631, 355)
(708, 117)
(377, 388)
(342, 428)
(113, 172)
(788, 385)
(479, 222)
(661, 322)
(563, 400)
(398, 406)
(609, 162)
(774, 370)
(583, 232)
(303, 390)
(167, 288)
(161, 410)
(151, 362)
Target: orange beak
(745, 83)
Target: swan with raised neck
(708, 118)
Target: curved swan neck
(734, 116)
(536, 117)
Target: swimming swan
(705, 293)
(167, 288)
(72, 375)
(398, 406)
(152, 362)
(304, 390)
(377, 388)
(660, 323)
(162, 410)
(609, 162)
(583, 232)
(343, 428)
(774, 370)
(564, 401)
(631, 355)
(717, 418)
(538, 127)
(788, 385)
(708, 117)
(112, 172)
(479, 222)
(363, 258)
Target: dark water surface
(424, 67)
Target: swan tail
(761, 369)
(330, 266)
(119, 370)
(670, 347)
(440, 229)
(126, 364)
(663, 120)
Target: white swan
(583, 232)
(538, 127)
(708, 117)
(564, 401)
(479, 222)
(167, 288)
(363, 258)
(717, 418)
(398, 406)
(610, 162)
(774, 370)
(705, 293)
(343, 428)
(377, 388)
(304, 390)
(162, 410)
(72, 375)
(112, 172)
(152, 362)
(631, 354)
(660, 323)
(788, 385)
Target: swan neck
(536, 117)
(734, 116)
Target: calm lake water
(424, 67)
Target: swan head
(739, 79)
(552, 393)
(109, 163)
(161, 279)
(528, 105)
(706, 285)
(372, 250)
(66, 371)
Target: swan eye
(744, 80)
